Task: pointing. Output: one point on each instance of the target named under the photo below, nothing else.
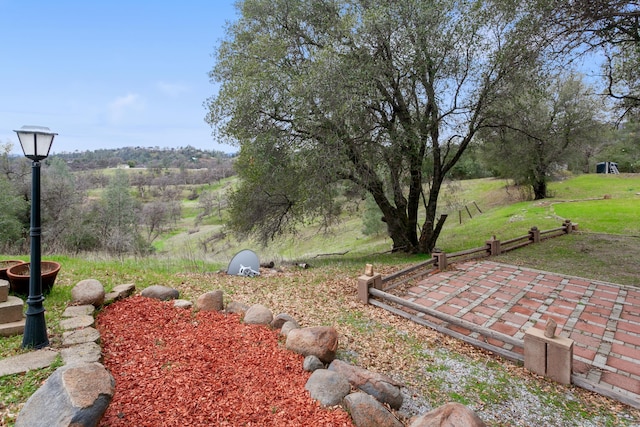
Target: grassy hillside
(477, 210)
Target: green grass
(610, 258)
(190, 210)
(504, 222)
(503, 214)
(597, 186)
(619, 216)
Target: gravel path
(522, 401)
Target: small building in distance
(607, 167)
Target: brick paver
(602, 318)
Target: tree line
(148, 157)
(117, 211)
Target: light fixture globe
(35, 141)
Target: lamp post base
(35, 331)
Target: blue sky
(110, 74)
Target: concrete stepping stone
(11, 310)
(12, 328)
(80, 336)
(78, 310)
(77, 322)
(36, 359)
(4, 290)
(88, 352)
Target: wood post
(493, 246)
(534, 235)
(366, 281)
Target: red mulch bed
(176, 368)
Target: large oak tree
(384, 95)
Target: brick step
(11, 310)
(12, 328)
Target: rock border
(372, 399)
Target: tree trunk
(429, 235)
(540, 189)
(400, 234)
(585, 167)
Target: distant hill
(184, 157)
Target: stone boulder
(210, 301)
(381, 387)
(162, 293)
(74, 395)
(311, 363)
(258, 314)
(182, 303)
(235, 307)
(320, 341)
(327, 387)
(280, 320)
(366, 411)
(288, 327)
(120, 292)
(449, 415)
(88, 291)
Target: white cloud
(121, 107)
(172, 89)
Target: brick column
(440, 260)
(549, 357)
(367, 281)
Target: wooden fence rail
(493, 246)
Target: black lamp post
(36, 142)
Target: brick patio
(602, 318)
